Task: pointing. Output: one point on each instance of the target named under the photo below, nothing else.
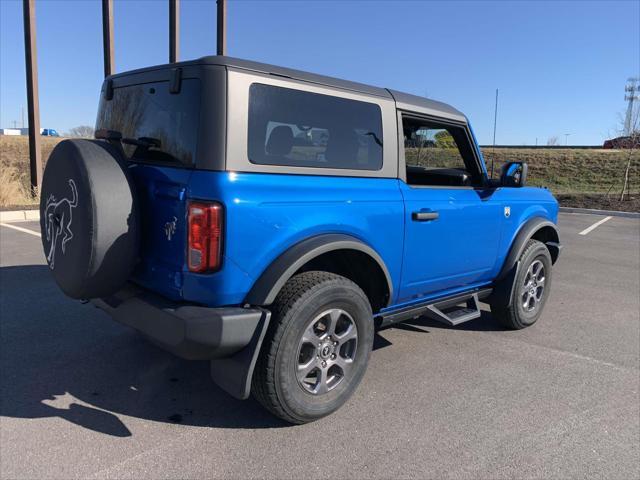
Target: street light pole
(566, 139)
(107, 37)
(221, 27)
(174, 30)
(33, 102)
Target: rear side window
(157, 126)
(302, 129)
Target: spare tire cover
(88, 218)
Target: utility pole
(174, 30)
(495, 124)
(566, 139)
(221, 48)
(107, 37)
(22, 114)
(33, 102)
(632, 88)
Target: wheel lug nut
(324, 364)
(333, 357)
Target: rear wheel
(530, 289)
(317, 348)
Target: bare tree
(632, 144)
(551, 141)
(82, 131)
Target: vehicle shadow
(60, 358)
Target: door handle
(424, 216)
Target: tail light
(204, 252)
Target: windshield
(168, 121)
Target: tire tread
(508, 315)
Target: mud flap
(233, 374)
(502, 294)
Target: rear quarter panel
(265, 214)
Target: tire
(308, 303)
(526, 304)
(88, 218)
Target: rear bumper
(189, 331)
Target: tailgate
(162, 204)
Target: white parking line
(20, 229)
(594, 226)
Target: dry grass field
(14, 169)
(567, 171)
(579, 178)
(588, 178)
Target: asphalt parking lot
(83, 397)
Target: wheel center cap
(326, 349)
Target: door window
(438, 154)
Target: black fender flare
(503, 289)
(526, 232)
(270, 282)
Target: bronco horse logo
(58, 218)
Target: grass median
(588, 178)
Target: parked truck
(270, 220)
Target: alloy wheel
(533, 287)
(326, 351)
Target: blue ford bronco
(269, 220)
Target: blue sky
(560, 66)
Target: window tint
(167, 123)
(303, 129)
(437, 154)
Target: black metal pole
(174, 30)
(33, 102)
(222, 27)
(107, 37)
(495, 124)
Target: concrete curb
(20, 215)
(592, 211)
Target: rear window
(302, 129)
(156, 126)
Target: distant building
(10, 131)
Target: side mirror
(514, 174)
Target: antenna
(495, 123)
(632, 88)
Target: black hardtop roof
(404, 100)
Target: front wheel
(530, 289)
(317, 348)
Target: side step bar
(457, 314)
(452, 310)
